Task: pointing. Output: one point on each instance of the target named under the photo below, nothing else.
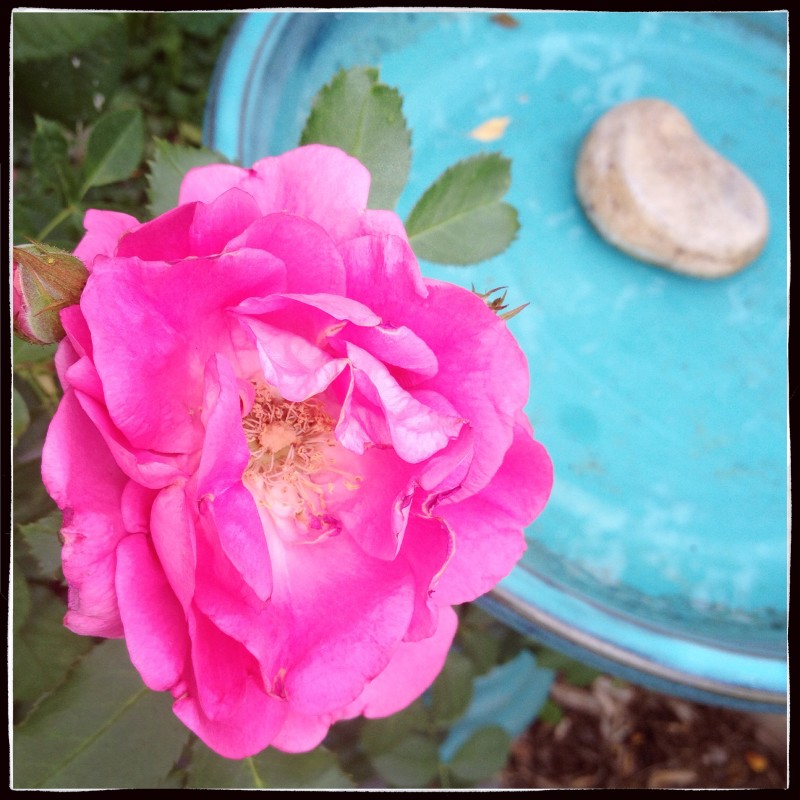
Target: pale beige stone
(654, 189)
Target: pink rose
(282, 454)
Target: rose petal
(313, 262)
(428, 546)
(317, 182)
(412, 669)
(225, 453)
(160, 324)
(104, 229)
(416, 430)
(154, 622)
(294, 366)
(488, 526)
(301, 732)
(81, 476)
(216, 223)
(227, 707)
(482, 370)
(341, 614)
(172, 530)
(382, 273)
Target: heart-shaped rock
(654, 189)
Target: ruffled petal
(225, 704)
(155, 326)
(416, 431)
(375, 513)
(412, 669)
(172, 531)
(297, 368)
(242, 538)
(81, 476)
(317, 182)
(154, 622)
(489, 525)
(482, 370)
(428, 546)
(383, 273)
(216, 223)
(313, 262)
(104, 229)
(301, 732)
(225, 454)
(207, 183)
(340, 614)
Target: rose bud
(46, 280)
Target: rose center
(286, 439)
(292, 471)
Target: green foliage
(483, 754)
(412, 762)
(452, 690)
(270, 769)
(44, 649)
(365, 119)
(574, 672)
(101, 728)
(50, 157)
(115, 148)
(42, 36)
(67, 65)
(26, 353)
(22, 600)
(460, 218)
(551, 712)
(90, 92)
(41, 539)
(20, 414)
(169, 164)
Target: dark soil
(616, 735)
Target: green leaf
(550, 712)
(483, 754)
(452, 690)
(270, 769)
(22, 599)
(381, 735)
(31, 500)
(167, 169)
(50, 155)
(102, 728)
(115, 148)
(44, 650)
(365, 119)
(412, 762)
(75, 80)
(39, 36)
(29, 353)
(481, 646)
(42, 540)
(205, 25)
(460, 218)
(21, 415)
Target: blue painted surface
(661, 399)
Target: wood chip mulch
(615, 735)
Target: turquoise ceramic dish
(662, 554)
